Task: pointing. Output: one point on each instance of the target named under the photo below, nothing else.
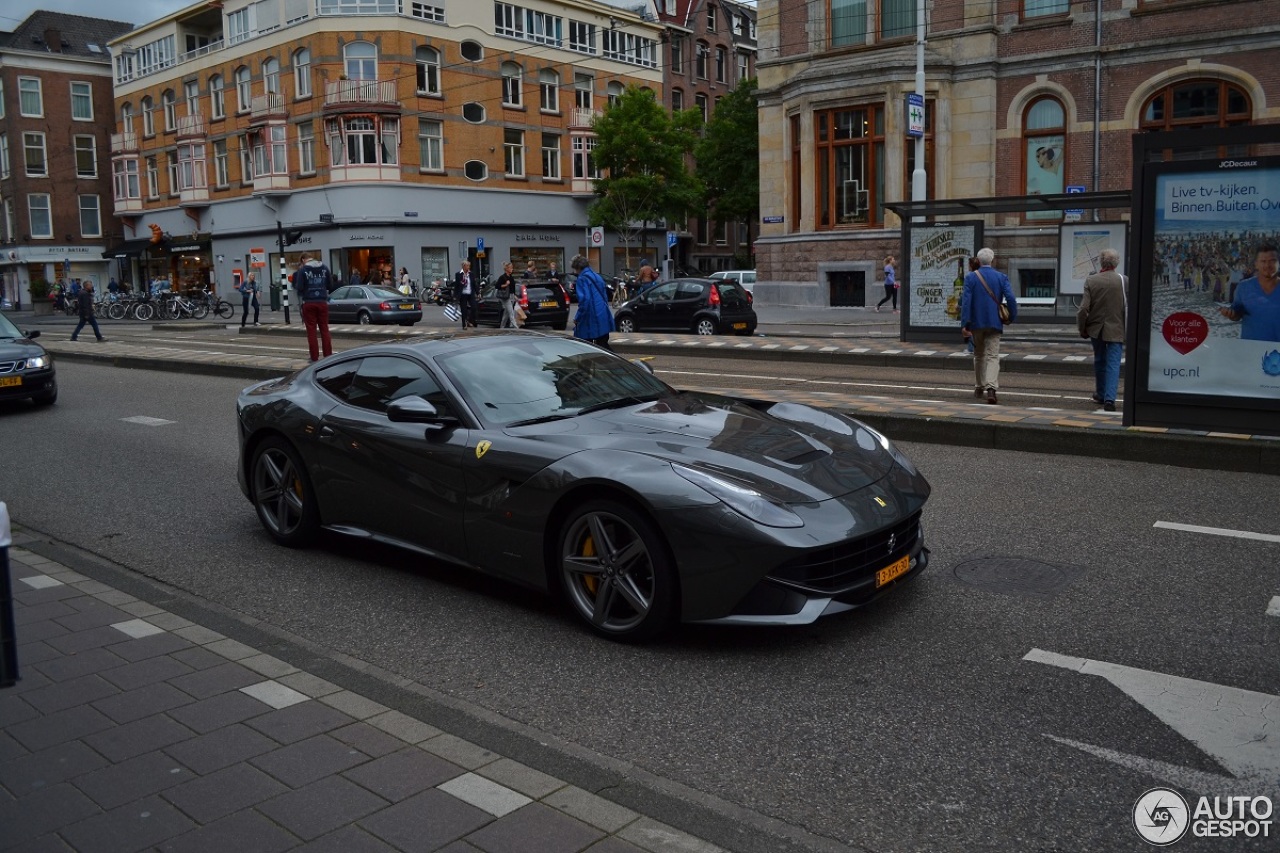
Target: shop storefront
(190, 266)
(55, 265)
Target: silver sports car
(561, 466)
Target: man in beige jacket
(1101, 319)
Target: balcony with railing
(580, 117)
(124, 143)
(266, 107)
(191, 127)
(344, 94)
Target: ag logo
(482, 448)
(1161, 816)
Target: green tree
(642, 154)
(728, 157)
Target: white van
(746, 278)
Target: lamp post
(919, 181)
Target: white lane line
(146, 421)
(1218, 531)
(1273, 609)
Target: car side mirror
(415, 410)
(33, 334)
(643, 364)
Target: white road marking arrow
(1238, 728)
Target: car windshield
(7, 329)
(383, 293)
(524, 380)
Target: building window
(126, 179)
(472, 51)
(1043, 8)
(584, 163)
(1, 98)
(245, 147)
(797, 176)
(170, 102)
(192, 93)
(428, 70)
(217, 96)
(476, 170)
(148, 116)
(849, 20)
(82, 102)
(897, 18)
(551, 156)
(1043, 149)
(548, 91)
(427, 12)
(513, 152)
(849, 165)
(126, 117)
(430, 145)
(238, 26)
(4, 155)
(677, 100)
(582, 37)
(153, 178)
(244, 91)
(677, 55)
(613, 92)
(721, 70)
(302, 73)
(361, 60)
(700, 104)
(473, 112)
(711, 18)
(172, 171)
(86, 156)
(271, 77)
(221, 177)
(40, 216)
(1196, 103)
(306, 148)
(702, 58)
(270, 153)
(30, 99)
(583, 84)
(629, 47)
(364, 141)
(744, 66)
(512, 80)
(90, 216)
(34, 155)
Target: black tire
(363, 318)
(282, 495)
(225, 310)
(628, 590)
(626, 324)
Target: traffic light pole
(284, 278)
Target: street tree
(642, 154)
(728, 157)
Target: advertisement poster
(1079, 251)
(939, 260)
(1045, 172)
(1215, 304)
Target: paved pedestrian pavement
(133, 727)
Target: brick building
(710, 48)
(1022, 97)
(390, 133)
(55, 117)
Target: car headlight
(742, 499)
(37, 362)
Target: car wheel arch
(581, 494)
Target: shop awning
(129, 249)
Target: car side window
(689, 290)
(383, 379)
(340, 293)
(662, 293)
(336, 378)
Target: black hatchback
(545, 303)
(698, 305)
(26, 370)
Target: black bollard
(8, 631)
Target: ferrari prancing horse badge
(481, 449)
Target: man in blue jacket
(312, 283)
(594, 320)
(985, 289)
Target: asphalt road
(917, 724)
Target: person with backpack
(312, 283)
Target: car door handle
(327, 432)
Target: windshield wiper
(619, 403)
(539, 420)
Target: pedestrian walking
(312, 283)
(249, 290)
(1101, 319)
(985, 290)
(646, 278)
(406, 284)
(507, 295)
(890, 284)
(464, 287)
(594, 320)
(84, 303)
(355, 278)
(974, 265)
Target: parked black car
(545, 303)
(26, 370)
(698, 305)
(365, 303)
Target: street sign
(597, 236)
(671, 238)
(1074, 214)
(257, 257)
(479, 244)
(915, 114)
(771, 220)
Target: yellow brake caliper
(589, 550)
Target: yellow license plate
(408, 307)
(10, 381)
(551, 303)
(739, 325)
(897, 568)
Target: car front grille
(12, 366)
(840, 568)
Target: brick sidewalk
(133, 728)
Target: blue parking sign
(479, 244)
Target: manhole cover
(1016, 575)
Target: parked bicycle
(179, 307)
(218, 306)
